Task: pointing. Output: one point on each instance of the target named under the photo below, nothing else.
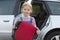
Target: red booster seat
(25, 31)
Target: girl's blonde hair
(27, 4)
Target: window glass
(54, 7)
(7, 7)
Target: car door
(6, 18)
(6, 15)
(6, 22)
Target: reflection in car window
(6, 7)
(37, 8)
(54, 7)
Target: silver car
(46, 13)
(51, 30)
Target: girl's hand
(38, 32)
(14, 27)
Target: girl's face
(26, 10)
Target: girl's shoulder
(32, 18)
(19, 15)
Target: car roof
(48, 0)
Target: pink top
(25, 19)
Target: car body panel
(53, 24)
(6, 22)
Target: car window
(39, 12)
(7, 7)
(36, 9)
(54, 7)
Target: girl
(26, 10)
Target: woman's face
(26, 10)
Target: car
(45, 12)
(51, 30)
(6, 18)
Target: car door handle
(5, 20)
